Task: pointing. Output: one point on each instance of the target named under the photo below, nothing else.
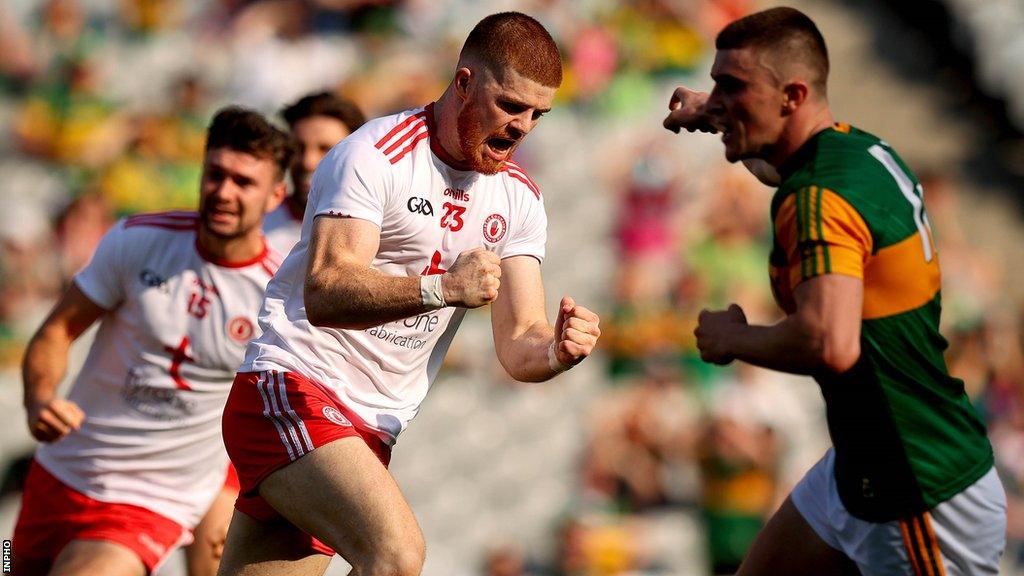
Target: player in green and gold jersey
(909, 486)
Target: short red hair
(513, 40)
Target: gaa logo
(335, 415)
(494, 227)
(240, 329)
(419, 206)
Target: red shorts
(231, 481)
(272, 419)
(52, 515)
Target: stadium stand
(612, 469)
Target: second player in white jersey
(156, 378)
(133, 463)
(391, 173)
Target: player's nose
(310, 159)
(225, 190)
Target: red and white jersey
(157, 376)
(392, 172)
(282, 228)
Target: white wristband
(431, 293)
(554, 363)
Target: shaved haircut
(785, 36)
(513, 40)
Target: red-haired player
(412, 220)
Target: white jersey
(156, 379)
(391, 172)
(282, 227)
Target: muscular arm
(342, 289)
(823, 333)
(522, 334)
(46, 362)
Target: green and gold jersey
(906, 436)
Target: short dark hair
(245, 130)
(789, 33)
(513, 40)
(325, 104)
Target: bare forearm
(357, 297)
(786, 346)
(46, 362)
(525, 356)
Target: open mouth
(221, 215)
(501, 146)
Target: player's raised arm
(343, 290)
(46, 360)
(528, 347)
(687, 110)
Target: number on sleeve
(913, 194)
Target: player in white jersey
(317, 123)
(412, 219)
(133, 458)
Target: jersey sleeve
(530, 233)
(102, 279)
(353, 181)
(828, 235)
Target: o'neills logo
(494, 227)
(457, 194)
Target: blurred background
(643, 460)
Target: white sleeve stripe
(267, 413)
(289, 427)
(283, 393)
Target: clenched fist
(687, 110)
(52, 420)
(576, 332)
(473, 280)
(713, 332)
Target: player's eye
(730, 84)
(511, 107)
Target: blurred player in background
(133, 458)
(909, 487)
(413, 219)
(317, 122)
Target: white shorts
(963, 536)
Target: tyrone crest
(240, 329)
(495, 227)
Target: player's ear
(794, 94)
(277, 195)
(462, 81)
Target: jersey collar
(797, 159)
(224, 262)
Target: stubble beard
(238, 231)
(471, 142)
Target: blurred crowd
(989, 30)
(103, 106)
